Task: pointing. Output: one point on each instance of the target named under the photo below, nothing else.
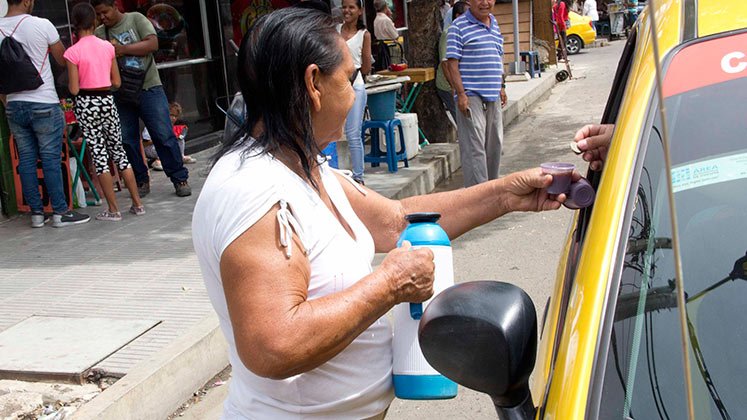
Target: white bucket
(410, 129)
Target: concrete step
(601, 42)
(435, 163)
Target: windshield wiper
(738, 272)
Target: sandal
(157, 165)
(109, 216)
(137, 211)
(189, 159)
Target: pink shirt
(93, 56)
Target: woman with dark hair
(285, 243)
(358, 39)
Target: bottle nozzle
(580, 195)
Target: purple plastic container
(580, 195)
(561, 176)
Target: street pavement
(140, 268)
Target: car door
(639, 370)
(554, 318)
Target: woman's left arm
(73, 83)
(461, 210)
(366, 54)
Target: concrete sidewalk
(145, 268)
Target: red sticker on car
(707, 63)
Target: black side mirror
(483, 335)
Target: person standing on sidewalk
(443, 86)
(92, 71)
(358, 40)
(134, 39)
(35, 117)
(562, 20)
(474, 50)
(590, 10)
(384, 28)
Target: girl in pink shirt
(92, 70)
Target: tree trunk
(424, 23)
(542, 24)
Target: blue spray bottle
(414, 378)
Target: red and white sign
(707, 63)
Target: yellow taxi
(614, 339)
(580, 33)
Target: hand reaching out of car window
(593, 141)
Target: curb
(435, 163)
(157, 387)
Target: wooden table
(416, 74)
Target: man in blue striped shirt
(474, 49)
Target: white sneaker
(38, 220)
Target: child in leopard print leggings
(92, 70)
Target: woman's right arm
(279, 332)
(73, 84)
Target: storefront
(196, 56)
(195, 60)
(190, 54)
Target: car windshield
(643, 376)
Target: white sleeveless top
(355, 45)
(357, 382)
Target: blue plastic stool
(534, 64)
(390, 156)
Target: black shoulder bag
(132, 80)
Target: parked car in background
(580, 34)
(611, 342)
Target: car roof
(678, 21)
(721, 16)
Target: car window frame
(604, 337)
(611, 111)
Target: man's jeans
(154, 111)
(37, 130)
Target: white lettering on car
(730, 63)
